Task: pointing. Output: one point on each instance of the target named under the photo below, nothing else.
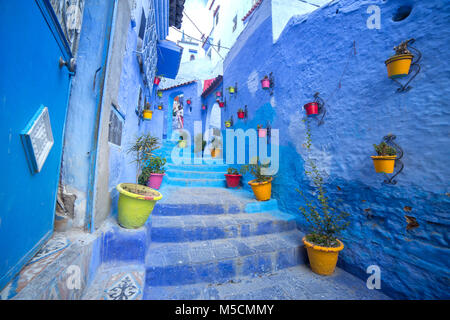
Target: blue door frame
(32, 44)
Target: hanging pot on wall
(159, 93)
(227, 124)
(241, 114)
(203, 107)
(398, 65)
(221, 104)
(147, 114)
(218, 94)
(156, 81)
(265, 83)
(231, 90)
(384, 164)
(160, 107)
(311, 108)
(262, 132)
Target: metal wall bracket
(322, 109)
(414, 65)
(389, 139)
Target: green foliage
(142, 149)
(155, 165)
(256, 170)
(240, 110)
(233, 171)
(383, 149)
(326, 222)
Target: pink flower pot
(265, 83)
(155, 180)
(218, 94)
(262, 133)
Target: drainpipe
(92, 183)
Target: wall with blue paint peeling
(310, 56)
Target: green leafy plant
(142, 149)
(216, 143)
(240, 110)
(233, 171)
(155, 165)
(256, 170)
(259, 126)
(326, 221)
(147, 106)
(383, 149)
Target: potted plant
(241, 113)
(233, 178)
(221, 104)
(218, 94)
(147, 114)
(231, 90)
(203, 107)
(229, 123)
(216, 147)
(160, 107)
(181, 143)
(136, 202)
(311, 108)
(265, 82)
(262, 132)
(262, 184)
(157, 80)
(326, 222)
(189, 101)
(152, 175)
(159, 93)
(384, 162)
(399, 64)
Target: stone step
(294, 283)
(217, 261)
(187, 174)
(201, 227)
(198, 167)
(178, 201)
(214, 183)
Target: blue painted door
(30, 77)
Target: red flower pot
(311, 108)
(156, 81)
(188, 101)
(233, 180)
(265, 83)
(221, 104)
(155, 180)
(241, 115)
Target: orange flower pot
(384, 164)
(398, 65)
(322, 259)
(262, 190)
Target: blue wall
(415, 263)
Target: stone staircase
(208, 235)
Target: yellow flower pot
(322, 259)
(398, 65)
(231, 90)
(147, 114)
(227, 124)
(384, 164)
(262, 190)
(134, 208)
(215, 153)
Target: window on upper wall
(143, 25)
(192, 58)
(235, 23)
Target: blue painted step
(195, 228)
(185, 174)
(214, 183)
(197, 167)
(217, 261)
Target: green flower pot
(135, 208)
